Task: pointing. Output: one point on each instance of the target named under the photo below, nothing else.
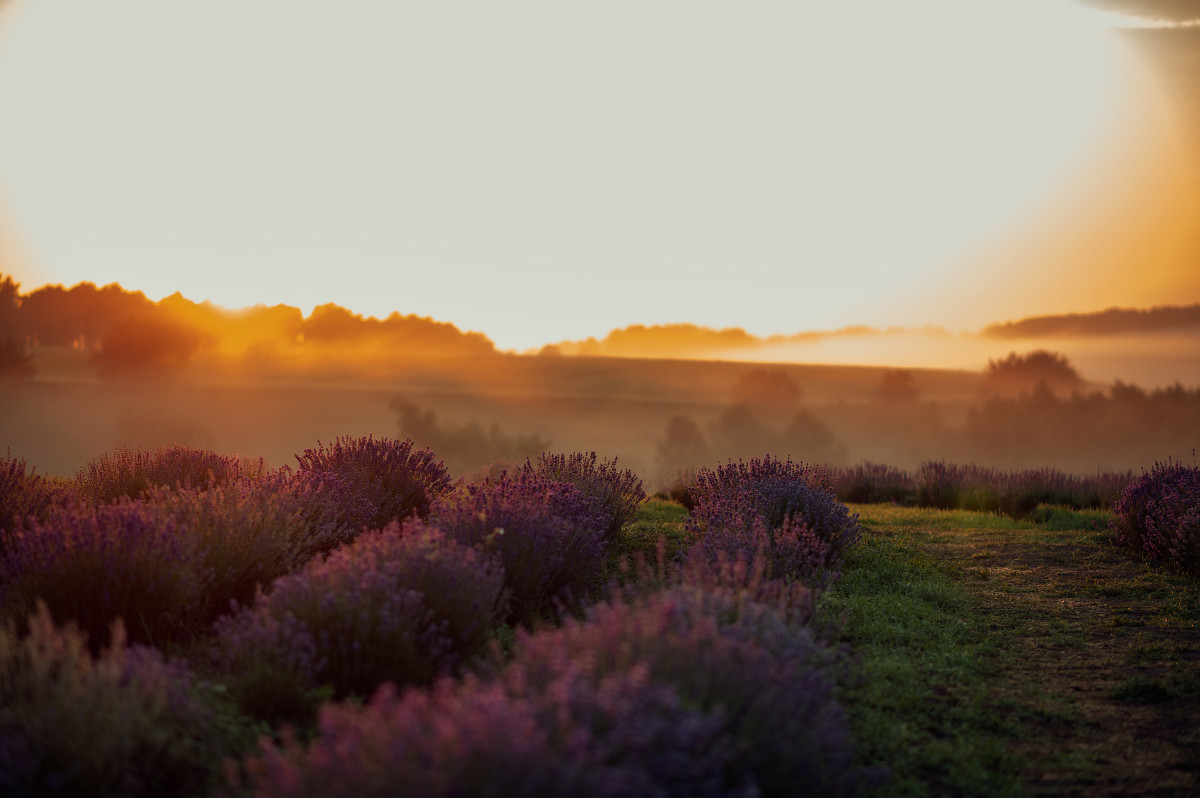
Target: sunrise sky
(544, 171)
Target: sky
(541, 170)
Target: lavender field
(181, 622)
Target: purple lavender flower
(734, 495)
(547, 534)
(385, 478)
(1158, 515)
(93, 564)
(403, 604)
(126, 473)
(619, 492)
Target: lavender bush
(93, 564)
(386, 479)
(128, 723)
(767, 678)
(579, 733)
(547, 534)
(791, 552)
(25, 495)
(735, 494)
(1014, 493)
(1158, 515)
(873, 483)
(126, 473)
(247, 533)
(618, 491)
(400, 604)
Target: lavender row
(974, 487)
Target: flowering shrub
(23, 495)
(774, 490)
(335, 510)
(792, 552)
(547, 534)
(1014, 493)
(132, 473)
(93, 564)
(579, 734)
(873, 483)
(1159, 515)
(126, 724)
(618, 492)
(385, 478)
(766, 678)
(400, 604)
(247, 533)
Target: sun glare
(458, 159)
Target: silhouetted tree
(146, 345)
(897, 387)
(15, 362)
(769, 392)
(465, 447)
(81, 315)
(682, 447)
(809, 439)
(1016, 373)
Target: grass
(917, 707)
(1064, 667)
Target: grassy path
(1013, 658)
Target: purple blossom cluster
(681, 693)
(619, 491)
(547, 534)
(1158, 515)
(763, 669)
(1014, 493)
(93, 564)
(247, 532)
(25, 495)
(973, 487)
(380, 479)
(790, 552)
(773, 490)
(402, 604)
(126, 473)
(874, 483)
(127, 723)
(579, 734)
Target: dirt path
(1102, 659)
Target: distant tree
(683, 445)
(15, 362)
(1016, 373)
(897, 387)
(767, 391)
(146, 345)
(465, 447)
(809, 439)
(80, 315)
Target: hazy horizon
(545, 175)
